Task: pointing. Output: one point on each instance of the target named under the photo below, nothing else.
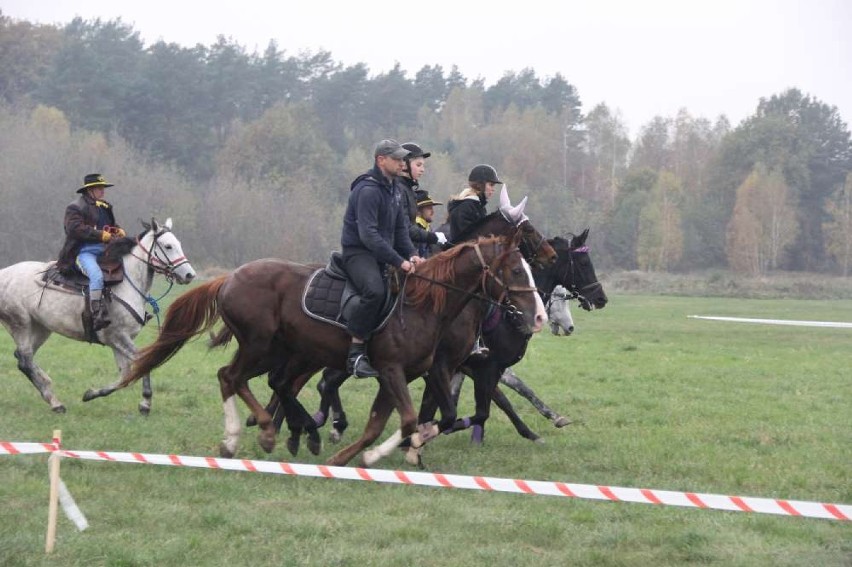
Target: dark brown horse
(260, 303)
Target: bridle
(529, 255)
(570, 269)
(153, 260)
(488, 272)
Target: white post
(53, 504)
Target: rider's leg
(87, 262)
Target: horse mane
(117, 248)
(474, 227)
(439, 268)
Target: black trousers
(365, 272)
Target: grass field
(659, 401)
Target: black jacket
(418, 234)
(464, 213)
(375, 220)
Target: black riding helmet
(416, 152)
(483, 173)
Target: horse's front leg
(520, 426)
(485, 379)
(380, 411)
(510, 379)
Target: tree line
(252, 153)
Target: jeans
(87, 262)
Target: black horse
(574, 271)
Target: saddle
(77, 281)
(330, 297)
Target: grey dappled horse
(31, 310)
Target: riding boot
(100, 314)
(357, 363)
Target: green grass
(659, 401)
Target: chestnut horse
(260, 303)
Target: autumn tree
(659, 245)
(838, 229)
(763, 223)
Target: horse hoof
(267, 442)
(412, 457)
(293, 446)
(370, 458)
(561, 421)
(314, 446)
(334, 436)
(90, 395)
(225, 452)
(144, 409)
(58, 409)
(538, 441)
(251, 421)
(477, 435)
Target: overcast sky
(642, 57)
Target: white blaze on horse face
(540, 311)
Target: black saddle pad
(330, 298)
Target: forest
(252, 154)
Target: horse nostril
(189, 276)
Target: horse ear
(155, 225)
(145, 225)
(505, 203)
(168, 223)
(516, 213)
(579, 240)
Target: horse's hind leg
(124, 352)
(27, 344)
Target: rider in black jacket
(375, 234)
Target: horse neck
(136, 269)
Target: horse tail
(189, 315)
(222, 338)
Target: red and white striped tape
(545, 488)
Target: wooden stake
(53, 504)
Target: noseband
(570, 269)
(153, 260)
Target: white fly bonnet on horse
(514, 215)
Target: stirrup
(360, 367)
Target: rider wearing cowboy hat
(425, 214)
(89, 225)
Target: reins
(486, 273)
(167, 269)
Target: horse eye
(516, 271)
(168, 246)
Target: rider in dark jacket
(375, 234)
(409, 185)
(469, 206)
(466, 210)
(89, 225)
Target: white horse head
(164, 252)
(513, 214)
(559, 312)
